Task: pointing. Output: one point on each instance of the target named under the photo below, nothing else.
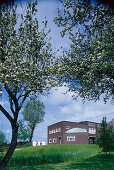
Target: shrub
(105, 138)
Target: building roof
(82, 122)
(88, 122)
(63, 122)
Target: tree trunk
(31, 135)
(12, 146)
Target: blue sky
(59, 107)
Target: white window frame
(50, 140)
(50, 132)
(92, 130)
(67, 127)
(92, 124)
(70, 138)
(54, 140)
(59, 129)
(56, 130)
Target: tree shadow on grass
(98, 162)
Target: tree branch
(6, 114)
(12, 96)
(20, 95)
(15, 91)
(11, 105)
(24, 98)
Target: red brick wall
(80, 138)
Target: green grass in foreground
(60, 157)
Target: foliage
(105, 139)
(23, 145)
(33, 113)
(23, 131)
(26, 61)
(25, 53)
(88, 67)
(2, 138)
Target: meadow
(60, 157)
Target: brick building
(66, 132)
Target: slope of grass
(60, 157)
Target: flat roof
(63, 122)
(82, 122)
(88, 122)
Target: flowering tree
(26, 62)
(88, 67)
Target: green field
(57, 157)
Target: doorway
(91, 140)
(59, 139)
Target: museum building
(66, 132)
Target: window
(50, 140)
(91, 124)
(70, 138)
(56, 130)
(67, 127)
(98, 125)
(92, 130)
(50, 132)
(54, 140)
(59, 129)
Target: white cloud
(57, 96)
(60, 107)
(7, 131)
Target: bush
(4, 147)
(105, 138)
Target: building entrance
(91, 140)
(59, 139)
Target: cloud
(7, 131)
(60, 107)
(63, 106)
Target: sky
(59, 106)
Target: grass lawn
(57, 157)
